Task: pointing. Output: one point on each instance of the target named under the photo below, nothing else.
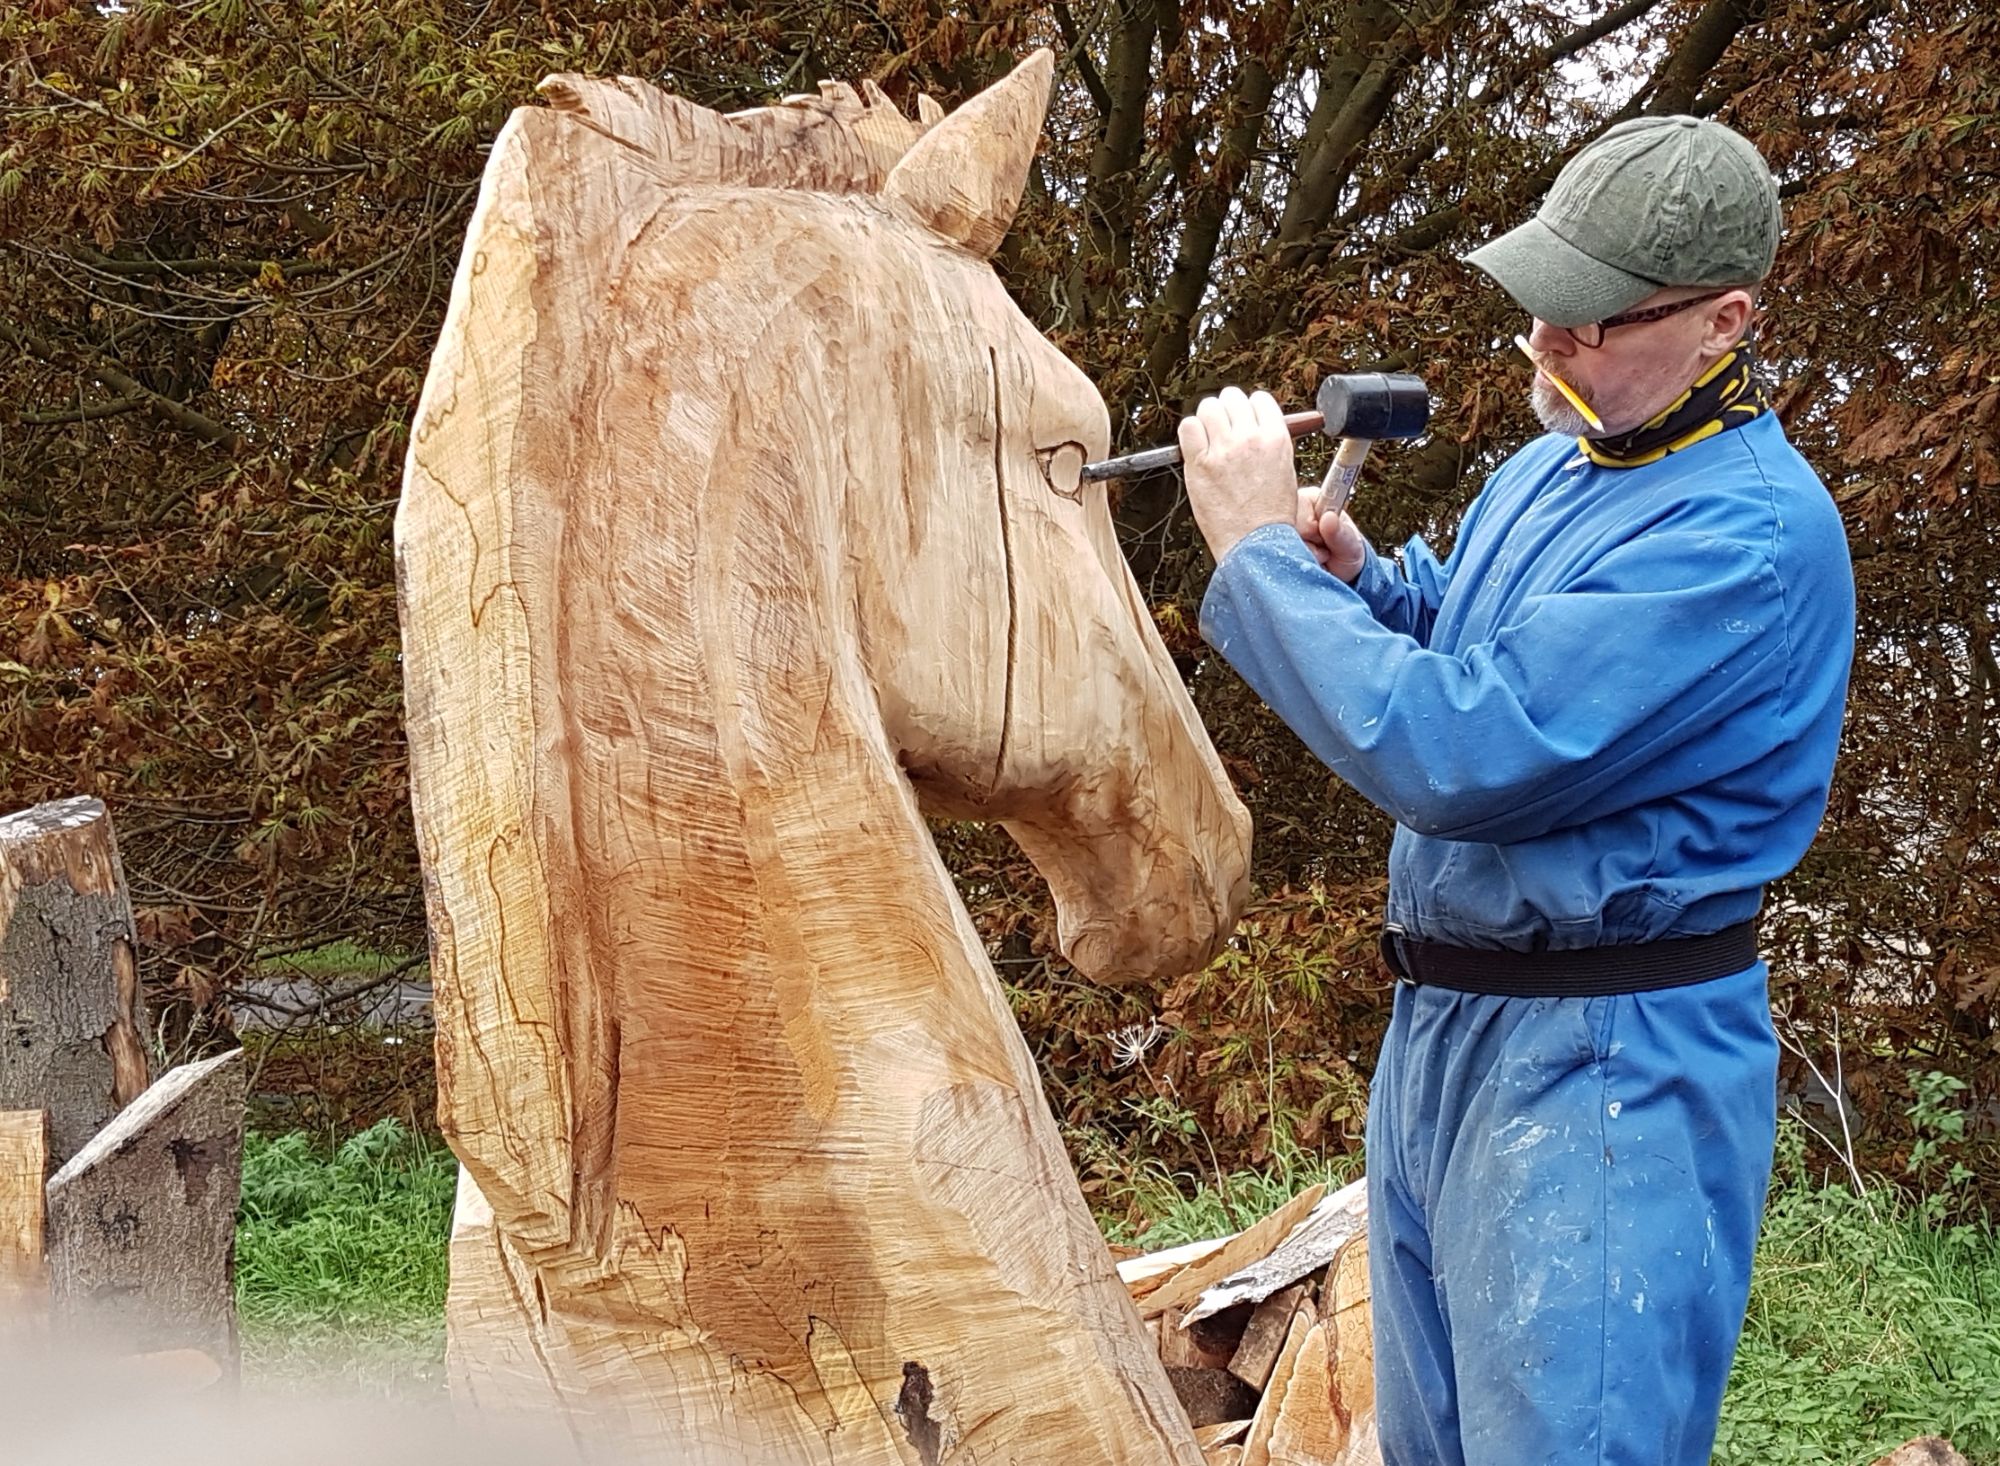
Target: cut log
(1211, 1396)
(1310, 1246)
(142, 1220)
(770, 1165)
(1310, 1428)
(1348, 1312)
(1257, 1444)
(1185, 1347)
(1248, 1246)
(72, 1026)
(24, 1169)
(1270, 1325)
(1929, 1450)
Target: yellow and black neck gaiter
(1725, 396)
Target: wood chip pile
(1265, 1334)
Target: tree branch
(87, 413)
(1209, 203)
(1590, 34)
(1678, 81)
(1086, 69)
(112, 265)
(118, 380)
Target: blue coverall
(1608, 717)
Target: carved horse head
(742, 526)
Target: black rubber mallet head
(1371, 405)
(1357, 406)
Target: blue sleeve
(1404, 598)
(1659, 643)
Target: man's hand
(1333, 538)
(1237, 453)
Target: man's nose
(1551, 339)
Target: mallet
(1367, 405)
(1357, 408)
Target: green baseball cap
(1653, 202)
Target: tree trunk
(72, 1026)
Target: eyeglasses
(1591, 334)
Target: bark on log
(142, 1220)
(1311, 1245)
(1244, 1249)
(72, 1026)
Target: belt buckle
(1387, 944)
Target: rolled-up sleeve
(1655, 645)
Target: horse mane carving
(741, 528)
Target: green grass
(1179, 1210)
(1869, 1323)
(1864, 1329)
(341, 1259)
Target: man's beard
(1554, 409)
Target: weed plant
(341, 1258)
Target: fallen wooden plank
(1246, 1247)
(69, 979)
(24, 1156)
(142, 1221)
(1262, 1341)
(1143, 1274)
(1310, 1245)
(1222, 1433)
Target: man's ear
(1728, 319)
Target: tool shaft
(1298, 424)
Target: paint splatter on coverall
(1608, 717)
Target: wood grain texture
(1257, 1351)
(1349, 1315)
(142, 1221)
(741, 529)
(24, 1162)
(72, 1026)
(1257, 1442)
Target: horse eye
(1062, 469)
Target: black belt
(1581, 972)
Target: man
(1603, 724)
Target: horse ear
(963, 178)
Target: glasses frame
(1638, 317)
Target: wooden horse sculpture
(741, 527)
